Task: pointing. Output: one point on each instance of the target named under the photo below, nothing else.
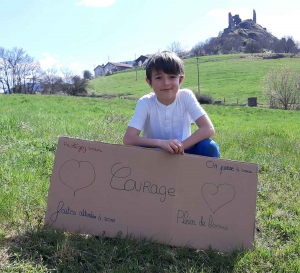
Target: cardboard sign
(104, 189)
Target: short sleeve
(192, 105)
(140, 115)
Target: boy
(165, 115)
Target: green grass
(29, 130)
(234, 78)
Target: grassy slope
(29, 127)
(233, 77)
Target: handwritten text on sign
(100, 188)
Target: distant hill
(249, 37)
(248, 31)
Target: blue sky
(81, 34)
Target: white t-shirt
(158, 121)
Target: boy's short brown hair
(166, 61)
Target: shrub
(204, 98)
(282, 87)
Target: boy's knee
(214, 149)
(209, 148)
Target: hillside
(245, 32)
(245, 36)
(233, 77)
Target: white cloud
(49, 61)
(288, 25)
(96, 3)
(74, 66)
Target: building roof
(98, 66)
(120, 64)
(114, 64)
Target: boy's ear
(181, 79)
(148, 81)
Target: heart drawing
(217, 197)
(77, 175)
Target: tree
(211, 46)
(282, 87)
(79, 85)
(286, 45)
(232, 44)
(15, 68)
(291, 47)
(6, 70)
(87, 75)
(197, 50)
(73, 84)
(34, 73)
(50, 81)
(253, 47)
(176, 48)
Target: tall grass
(29, 130)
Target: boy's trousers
(206, 147)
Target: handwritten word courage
(121, 180)
(81, 148)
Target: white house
(101, 70)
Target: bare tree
(15, 67)
(176, 48)
(50, 81)
(198, 50)
(211, 46)
(6, 70)
(34, 74)
(282, 87)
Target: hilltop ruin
(235, 21)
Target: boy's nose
(166, 81)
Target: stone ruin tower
(233, 21)
(254, 16)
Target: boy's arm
(132, 137)
(205, 130)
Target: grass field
(29, 130)
(234, 78)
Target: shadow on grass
(48, 250)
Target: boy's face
(165, 86)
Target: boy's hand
(173, 146)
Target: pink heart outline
(78, 162)
(217, 189)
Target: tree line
(21, 73)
